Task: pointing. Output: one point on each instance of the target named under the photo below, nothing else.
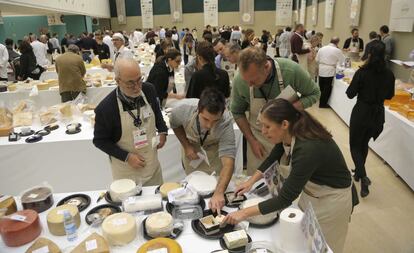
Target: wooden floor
(383, 221)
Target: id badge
(140, 138)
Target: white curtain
(247, 12)
(314, 12)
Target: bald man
(40, 50)
(126, 126)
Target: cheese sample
(42, 86)
(167, 187)
(47, 118)
(66, 110)
(22, 105)
(259, 219)
(94, 243)
(22, 119)
(86, 107)
(159, 244)
(142, 203)
(119, 229)
(39, 199)
(236, 239)
(159, 224)
(55, 219)
(17, 233)
(209, 225)
(9, 203)
(122, 189)
(204, 184)
(43, 244)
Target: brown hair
(301, 124)
(252, 55)
(172, 53)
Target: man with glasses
(126, 126)
(120, 51)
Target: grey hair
(73, 48)
(233, 47)
(121, 63)
(252, 55)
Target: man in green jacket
(261, 79)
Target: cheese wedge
(43, 244)
(94, 243)
(55, 219)
(9, 203)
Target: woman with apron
(308, 162)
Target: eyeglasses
(132, 83)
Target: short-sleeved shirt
(182, 114)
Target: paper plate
(197, 227)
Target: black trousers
(325, 85)
(359, 136)
(69, 95)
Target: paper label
(44, 249)
(161, 250)
(91, 245)
(119, 222)
(61, 212)
(18, 217)
(33, 196)
(261, 251)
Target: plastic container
(142, 203)
(259, 247)
(187, 212)
(70, 227)
(38, 198)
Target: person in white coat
(39, 50)
(4, 58)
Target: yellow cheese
(47, 118)
(9, 203)
(55, 219)
(20, 107)
(43, 244)
(159, 244)
(94, 243)
(52, 82)
(159, 224)
(22, 119)
(12, 87)
(66, 110)
(167, 187)
(119, 228)
(42, 86)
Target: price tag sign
(33, 196)
(91, 245)
(44, 249)
(18, 217)
(119, 222)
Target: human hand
(136, 161)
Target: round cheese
(159, 244)
(122, 189)
(204, 184)
(259, 219)
(43, 243)
(159, 224)
(39, 199)
(55, 219)
(119, 228)
(167, 187)
(16, 233)
(8, 203)
(94, 243)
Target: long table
(189, 241)
(394, 145)
(72, 162)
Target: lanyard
(137, 119)
(202, 140)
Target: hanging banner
(176, 10)
(329, 10)
(284, 12)
(402, 15)
(302, 15)
(147, 14)
(354, 11)
(211, 12)
(247, 12)
(314, 12)
(121, 12)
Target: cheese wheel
(159, 224)
(161, 243)
(94, 243)
(55, 219)
(9, 203)
(17, 233)
(259, 219)
(119, 229)
(122, 189)
(167, 187)
(43, 243)
(39, 199)
(204, 184)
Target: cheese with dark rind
(39, 199)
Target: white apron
(332, 206)
(210, 145)
(354, 51)
(256, 105)
(151, 174)
(303, 58)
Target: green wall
(17, 27)
(75, 24)
(2, 34)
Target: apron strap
(279, 76)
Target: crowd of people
(231, 76)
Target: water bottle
(70, 227)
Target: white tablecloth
(52, 97)
(394, 145)
(189, 240)
(53, 74)
(72, 162)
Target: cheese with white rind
(119, 229)
(204, 184)
(259, 219)
(142, 203)
(122, 189)
(236, 239)
(55, 219)
(159, 224)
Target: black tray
(169, 207)
(236, 250)
(197, 227)
(234, 205)
(115, 209)
(49, 128)
(43, 132)
(75, 132)
(27, 134)
(33, 139)
(110, 201)
(86, 201)
(148, 237)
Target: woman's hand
(235, 217)
(244, 187)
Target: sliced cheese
(122, 189)
(119, 229)
(22, 119)
(259, 219)
(9, 203)
(66, 110)
(159, 224)
(55, 219)
(94, 243)
(167, 187)
(236, 239)
(43, 244)
(160, 245)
